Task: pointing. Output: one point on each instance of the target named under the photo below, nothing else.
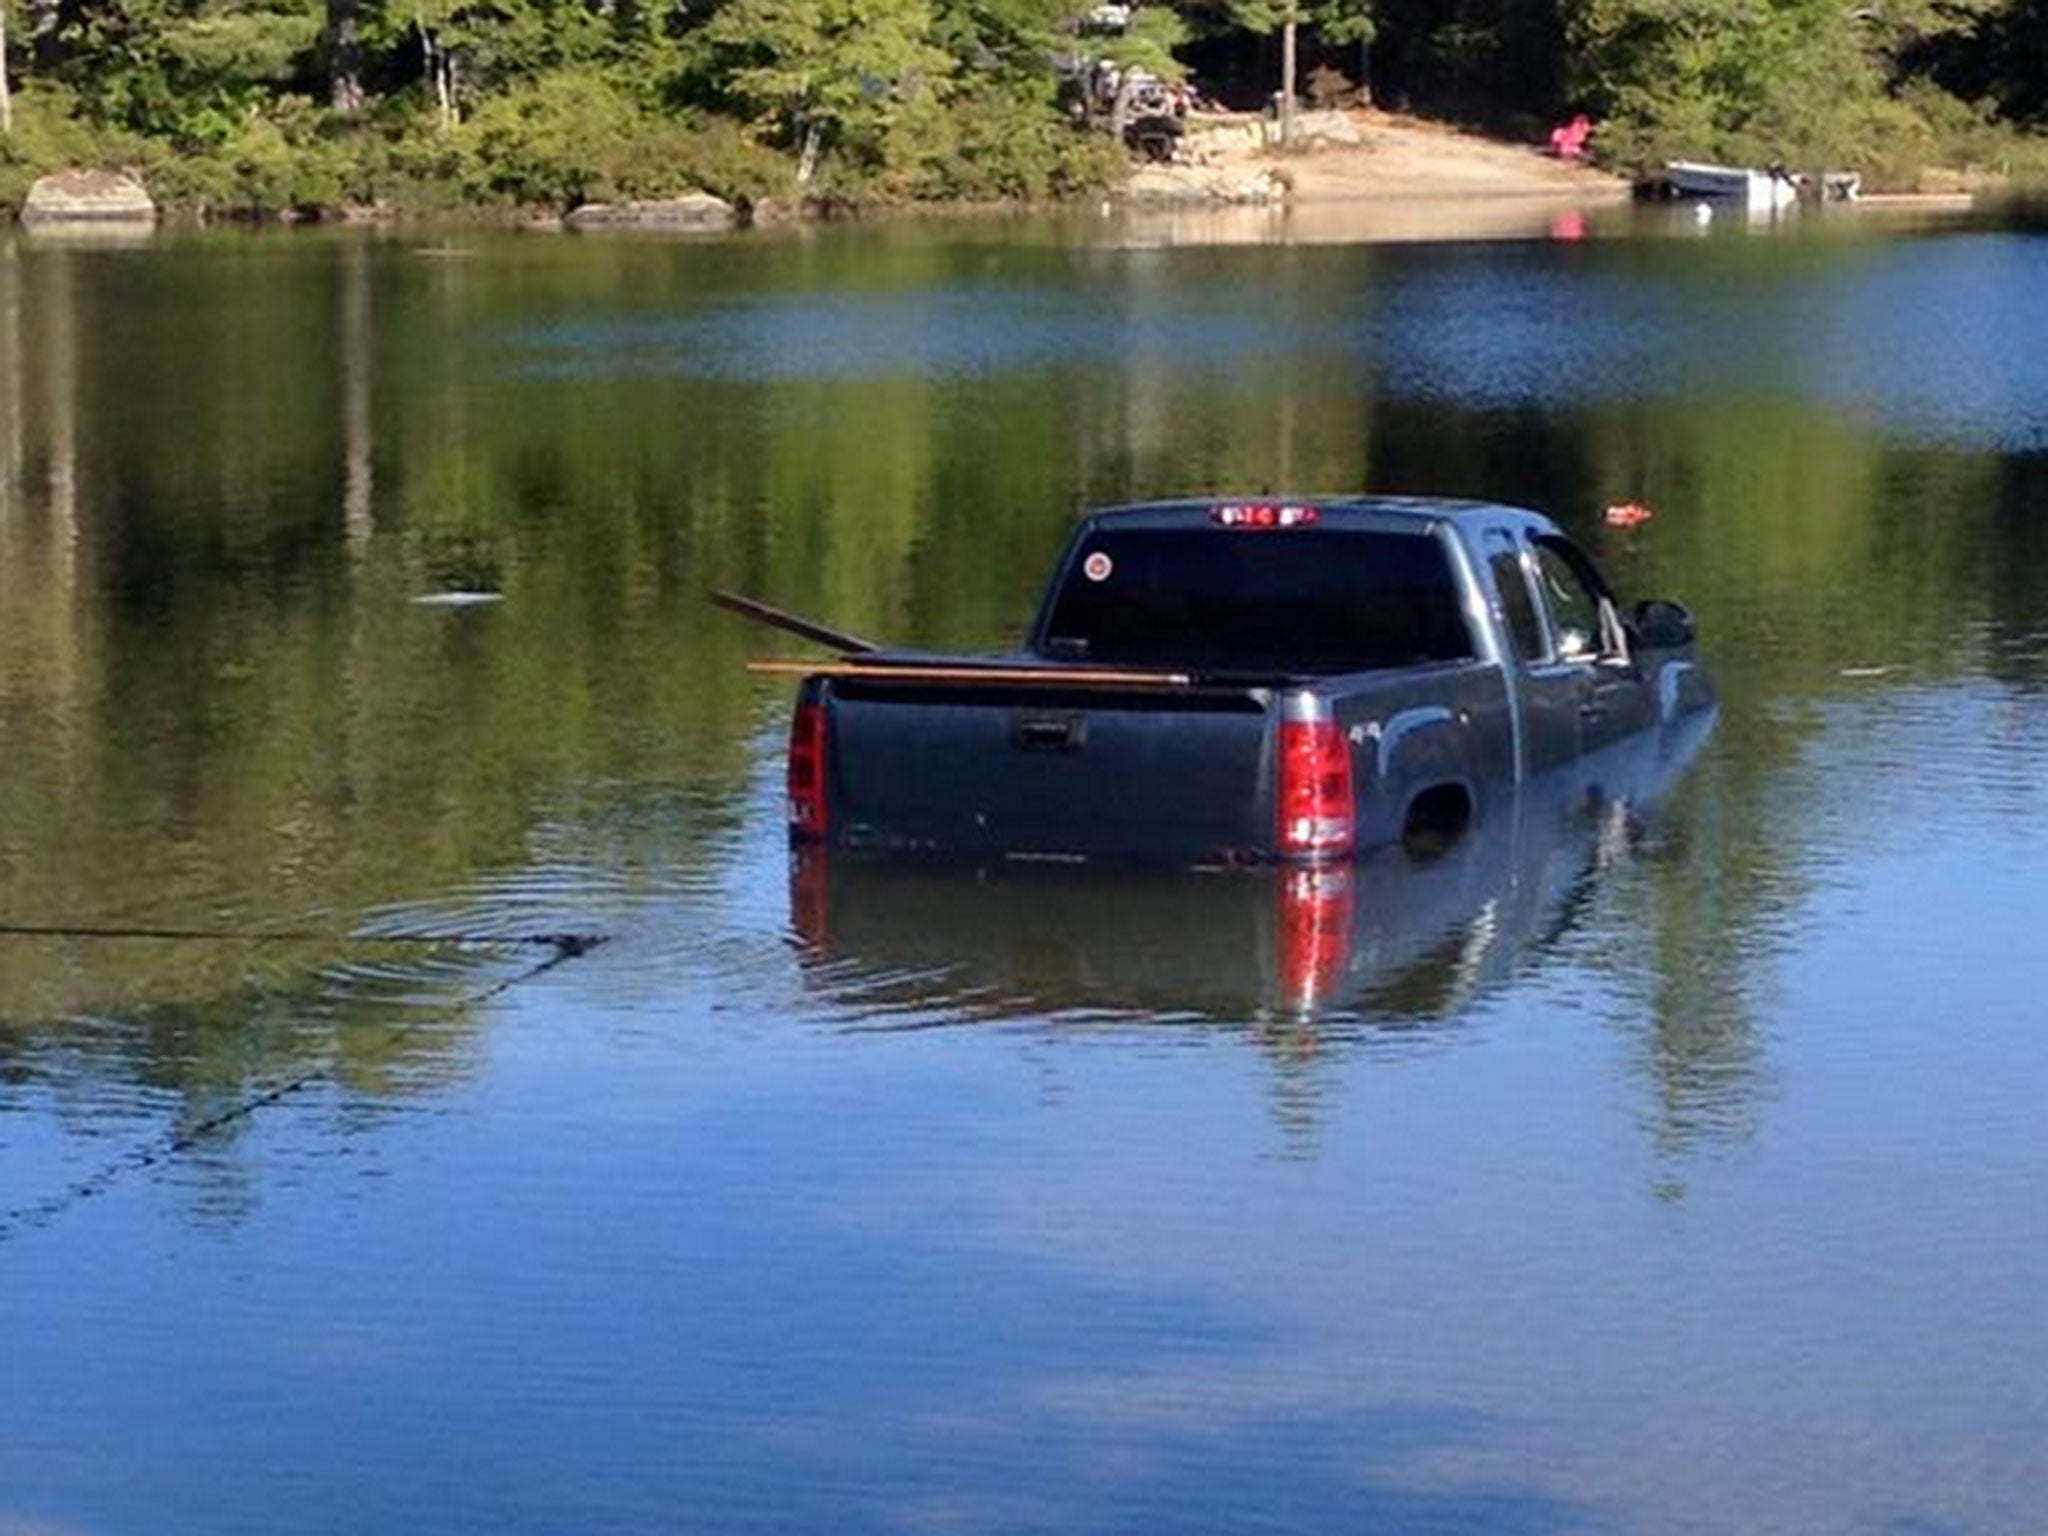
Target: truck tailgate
(1043, 770)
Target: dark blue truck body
(1402, 940)
(1226, 683)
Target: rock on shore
(1155, 185)
(87, 197)
(694, 210)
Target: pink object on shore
(1568, 140)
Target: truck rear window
(1303, 600)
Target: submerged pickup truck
(1219, 683)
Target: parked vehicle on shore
(1218, 683)
(1772, 187)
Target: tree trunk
(6, 97)
(807, 158)
(440, 70)
(344, 58)
(1287, 71)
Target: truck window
(1573, 599)
(1317, 600)
(1504, 559)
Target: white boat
(1756, 189)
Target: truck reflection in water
(1407, 936)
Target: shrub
(575, 138)
(265, 164)
(998, 143)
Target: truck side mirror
(1663, 626)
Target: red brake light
(807, 743)
(1318, 816)
(1263, 515)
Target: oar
(802, 628)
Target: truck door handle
(1049, 733)
(1600, 698)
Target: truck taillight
(808, 735)
(1318, 816)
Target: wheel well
(1437, 817)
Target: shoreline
(1356, 166)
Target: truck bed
(1038, 769)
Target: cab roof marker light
(1236, 514)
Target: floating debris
(457, 599)
(1627, 514)
(1866, 671)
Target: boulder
(693, 210)
(1184, 186)
(87, 197)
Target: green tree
(1745, 80)
(190, 76)
(838, 75)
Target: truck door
(1551, 688)
(1588, 644)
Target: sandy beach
(1358, 153)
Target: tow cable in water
(561, 947)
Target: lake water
(432, 1100)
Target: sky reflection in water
(1918, 337)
